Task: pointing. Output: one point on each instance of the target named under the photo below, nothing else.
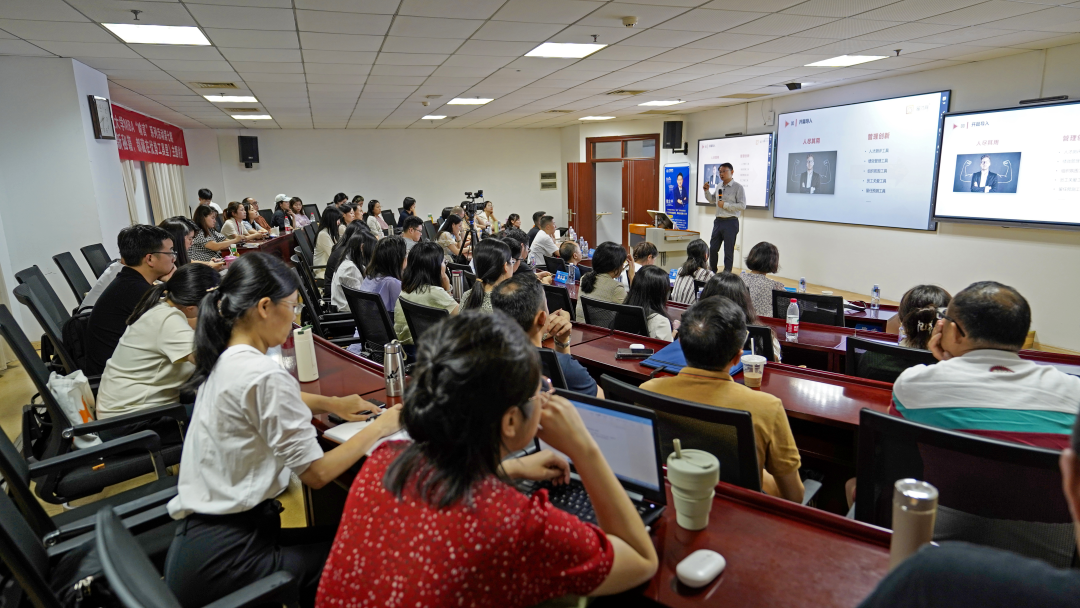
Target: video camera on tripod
(471, 206)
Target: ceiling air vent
(658, 112)
(214, 85)
(744, 95)
(626, 92)
(243, 110)
(558, 112)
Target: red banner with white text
(140, 137)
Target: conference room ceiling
(371, 63)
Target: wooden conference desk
(281, 247)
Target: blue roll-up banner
(677, 193)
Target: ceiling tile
(42, 10)
(908, 31)
(118, 63)
(117, 11)
(912, 10)
(1056, 19)
(342, 23)
(515, 31)
(796, 60)
(334, 88)
(1011, 38)
(500, 49)
(790, 44)
(584, 33)
(985, 13)
(273, 55)
(410, 59)
(336, 68)
(667, 39)
(315, 56)
(155, 52)
(848, 47)
(478, 61)
(706, 20)
(403, 70)
(836, 8)
(340, 42)
(648, 16)
(336, 78)
(1050, 42)
(398, 44)
(186, 65)
(268, 66)
(243, 18)
(429, 27)
(777, 24)
(685, 55)
(87, 49)
(379, 7)
(21, 47)
(435, 82)
(636, 53)
(745, 58)
(729, 42)
(57, 30)
(399, 80)
(252, 39)
(991, 54)
(547, 11)
(473, 9)
(847, 28)
(253, 77)
(906, 47)
(949, 52)
(980, 35)
(765, 6)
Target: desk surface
(280, 247)
(342, 373)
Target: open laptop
(630, 442)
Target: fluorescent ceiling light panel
(596, 118)
(469, 101)
(844, 61)
(231, 98)
(158, 34)
(433, 118)
(660, 103)
(564, 50)
(255, 117)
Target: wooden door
(640, 193)
(581, 199)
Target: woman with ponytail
(918, 314)
(608, 262)
(154, 357)
(449, 495)
(250, 432)
(695, 268)
(494, 264)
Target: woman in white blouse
(486, 219)
(350, 271)
(650, 291)
(330, 229)
(234, 223)
(374, 218)
(249, 433)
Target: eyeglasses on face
(296, 306)
(953, 321)
(169, 253)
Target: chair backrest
(267, 215)
(97, 258)
(305, 246)
(724, 433)
(467, 276)
(388, 217)
(813, 308)
(621, 317)
(761, 338)
(310, 210)
(16, 473)
(132, 577)
(698, 286)
(25, 556)
(312, 231)
(372, 320)
(310, 313)
(879, 361)
(74, 276)
(558, 298)
(551, 368)
(431, 231)
(308, 279)
(555, 264)
(990, 492)
(54, 308)
(32, 300)
(420, 317)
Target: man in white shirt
(729, 206)
(544, 243)
(205, 198)
(984, 180)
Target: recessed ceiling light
(255, 117)
(564, 50)
(596, 118)
(158, 34)
(843, 61)
(231, 98)
(433, 118)
(468, 101)
(660, 103)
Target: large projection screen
(751, 155)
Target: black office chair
(620, 317)
(54, 353)
(420, 317)
(724, 433)
(558, 298)
(267, 215)
(136, 583)
(310, 210)
(431, 232)
(312, 231)
(322, 305)
(97, 258)
(880, 361)
(555, 264)
(391, 221)
(698, 286)
(762, 340)
(813, 308)
(551, 368)
(373, 322)
(48, 434)
(74, 276)
(994, 493)
(305, 246)
(336, 327)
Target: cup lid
(694, 463)
(753, 359)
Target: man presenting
(984, 180)
(729, 206)
(809, 182)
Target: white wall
(204, 166)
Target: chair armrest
(148, 440)
(137, 524)
(332, 317)
(278, 588)
(317, 266)
(128, 509)
(173, 410)
(345, 341)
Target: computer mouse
(700, 567)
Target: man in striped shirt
(981, 385)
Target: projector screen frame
(1002, 223)
(931, 223)
(770, 179)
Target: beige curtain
(127, 167)
(166, 190)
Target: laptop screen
(626, 440)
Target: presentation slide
(870, 163)
(1014, 165)
(751, 155)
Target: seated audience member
(515, 240)
(412, 229)
(522, 297)
(493, 264)
(961, 574)
(423, 282)
(350, 272)
(980, 384)
(599, 283)
(356, 200)
(644, 255)
(375, 220)
(536, 227)
(209, 245)
(712, 334)
(256, 218)
(234, 224)
(383, 272)
(349, 214)
(453, 497)
(297, 207)
(147, 254)
(252, 217)
(182, 231)
(249, 433)
(695, 268)
(337, 253)
(513, 221)
(919, 311)
(650, 292)
(206, 200)
(764, 259)
(155, 356)
(408, 209)
(544, 242)
(449, 240)
(730, 286)
(570, 252)
(283, 213)
(328, 236)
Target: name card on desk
(673, 274)
(562, 277)
(592, 252)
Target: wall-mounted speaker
(672, 134)
(249, 149)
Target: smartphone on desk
(634, 353)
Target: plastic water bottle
(802, 285)
(572, 271)
(875, 297)
(793, 321)
(313, 218)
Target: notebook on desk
(630, 442)
(345, 431)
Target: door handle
(624, 213)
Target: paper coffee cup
(753, 370)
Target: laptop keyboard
(573, 499)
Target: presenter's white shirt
(982, 179)
(250, 429)
(809, 178)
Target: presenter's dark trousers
(212, 556)
(724, 231)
